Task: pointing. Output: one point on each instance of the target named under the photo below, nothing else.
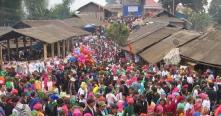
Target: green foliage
(215, 10)
(118, 32)
(196, 5)
(37, 9)
(200, 20)
(61, 11)
(10, 11)
(111, 1)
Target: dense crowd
(104, 82)
(132, 23)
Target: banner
(173, 57)
(132, 10)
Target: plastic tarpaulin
(173, 57)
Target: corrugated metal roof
(204, 50)
(156, 53)
(151, 39)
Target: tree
(196, 5)
(118, 32)
(37, 9)
(61, 11)
(215, 10)
(10, 11)
(200, 20)
(111, 1)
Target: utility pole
(173, 7)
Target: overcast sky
(78, 3)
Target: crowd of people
(109, 85)
(24, 54)
(132, 23)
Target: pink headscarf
(87, 114)
(203, 95)
(159, 109)
(77, 112)
(129, 82)
(172, 97)
(38, 106)
(120, 105)
(175, 90)
(65, 109)
(130, 100)
(45, 77)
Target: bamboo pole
(45, 51)
(52, 49)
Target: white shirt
(81, 92)
(164, 73)
(206, 104)
(187, 107)
(2, 93)
(195, 93)
(111, 98)
(119, 96)
(83, 101)
(20, 106)
(190, 80)
(160, 91)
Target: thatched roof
(205, 50)
(47, 34)
(114, 7)
(151, 39)
(59, 23)
(4, 30)
(90, 18)
(156, 53)
(75, 22)
(48, 31)
(92, 3)
(164, 19)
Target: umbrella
(90, 27)
(72, 59)
(54, 97)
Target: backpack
(22, 112)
